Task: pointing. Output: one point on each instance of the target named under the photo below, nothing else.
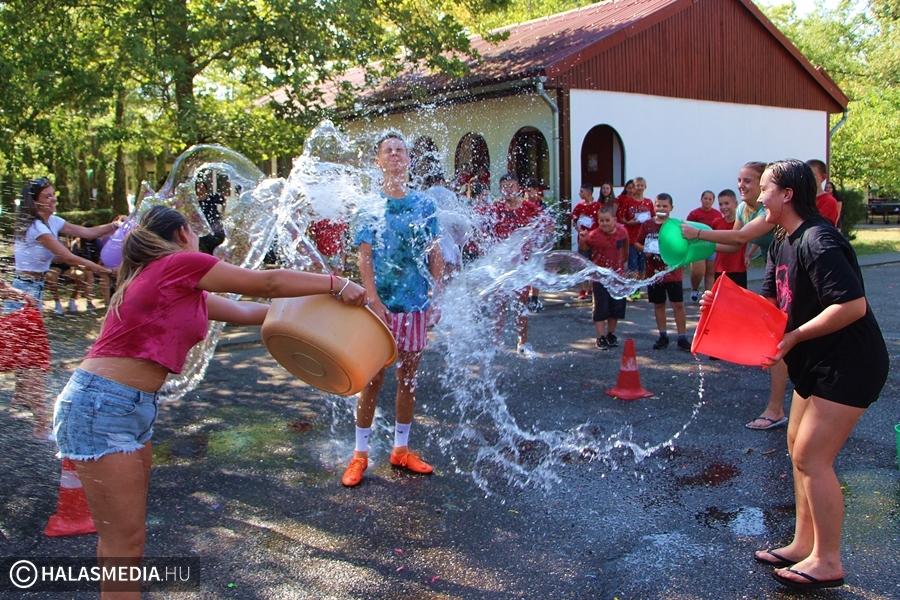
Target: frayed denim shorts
(29, 285)
(94, 417)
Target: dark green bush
(853, 211)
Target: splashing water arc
(335, 179)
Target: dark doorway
(602, 157)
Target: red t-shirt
(707, 217)
(628, 209)
(648, 235)
(502, 219)
(828, 206)
(163, 314)
(609, 250)
(729, 263)
(329, 236)
(583, 209)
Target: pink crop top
(163, 315)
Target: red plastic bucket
(739, 326)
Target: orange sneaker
(353, 474)
(411, 461)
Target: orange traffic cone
(73, 517)
(628, 387)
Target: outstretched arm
(239, 313)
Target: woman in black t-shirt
(836, 358)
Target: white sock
(362, 438)
(401, 434)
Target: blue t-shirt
(400, 245)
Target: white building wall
(496, 119)
(686, 146)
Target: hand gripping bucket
(677, 251)
(739, 326)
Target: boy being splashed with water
(392, 253)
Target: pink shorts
(410, 331)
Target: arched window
(472, 161)
(602, 157)
(529, 156)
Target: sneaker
(58, 310)
(611, 340)
(662, 343)
(411, 462)
(73, 308)
(602, 343)
(695, 295)
(683, 344)
(635, 296)
(354, 473)
(526, 351)
(582, 294)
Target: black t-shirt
(811, 269)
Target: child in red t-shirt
(729, 259)
(703, 270)
(584, 218)
(608, 244)
(671, 284)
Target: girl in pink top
(104, 417)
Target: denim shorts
(35, 287)
(94, 417)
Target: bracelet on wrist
(340, 293)
(331, 282)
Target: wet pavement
(247, 477)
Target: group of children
(625, 240)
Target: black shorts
(605, 306)
(658, 292)
(738, 278)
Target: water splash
(334, 179)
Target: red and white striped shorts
(410, 330)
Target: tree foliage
(858, 44)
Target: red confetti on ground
(398, 550)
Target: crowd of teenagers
(167, 290)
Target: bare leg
(407, 367)
(698, 269)
(522, 316)
(659, 311)
(30, 394)
(680, 317)
(116, 490)
(778, 376)
(611, 324)
(710, 277)
(820, 431)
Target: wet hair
(588, 186)
(818, 166)
(27, 213)
(388, 136)
(155, 236)
(797, 176)
(509, 177)
(665, 196)
(728, 192)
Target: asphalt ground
(247, 477)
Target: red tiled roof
(547, 46)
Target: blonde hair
(757, 167)
(154, 238)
